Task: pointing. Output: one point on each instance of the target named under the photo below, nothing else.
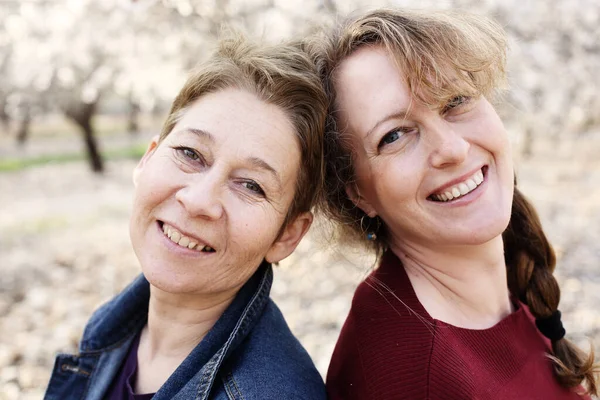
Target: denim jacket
(250, 353)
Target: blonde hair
(282, 75)
(442, 55)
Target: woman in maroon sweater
(464, 303)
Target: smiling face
(220, 185)
(435, 176)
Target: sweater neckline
(391, 265)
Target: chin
(168, 280)
(483, 231)
(160, 273)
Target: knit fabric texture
(390, 348)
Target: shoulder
(386, 342)
(272, 364)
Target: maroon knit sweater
(390, 350)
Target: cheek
(156, 180)
(397, 180)
(145, 195)
(252, 226)
(497, 136)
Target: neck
(177, 323)
(464, 287)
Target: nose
(447, 145)
(202, 197)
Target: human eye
(455, 103)
(188, 154)
(389, 138)
(253, 187)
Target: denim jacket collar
(113, 327)
(226, 335)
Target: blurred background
(84, 85)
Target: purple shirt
(122, 385)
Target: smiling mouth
(183, 241)
(461, 189)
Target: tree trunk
(133, 125)
(4, 117)
(23, 132)
(94, 157)
(82, 115)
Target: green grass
(17, 164)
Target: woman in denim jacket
(219, 196)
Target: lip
(469, 197)
(458, 180)
(159, 225)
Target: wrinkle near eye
(279, 208)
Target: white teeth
(478, 177)
(470, 184)
(183, 240)
(461, 189)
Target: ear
(289, 238)
(140, 166)
(359, 201)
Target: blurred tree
(24, 124)
(5, 59)
(133, 126)
(68, 55)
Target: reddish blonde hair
(432, 49)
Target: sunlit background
(84, 84)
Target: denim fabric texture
(250, 353)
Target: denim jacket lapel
(227, 334)
(112, 328)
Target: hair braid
(530, 261)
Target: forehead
(239, 105)
(369, 61)
(369, 83)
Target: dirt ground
(64, 249)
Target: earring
(367, 227)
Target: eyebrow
(402, 114)
(202, 133)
